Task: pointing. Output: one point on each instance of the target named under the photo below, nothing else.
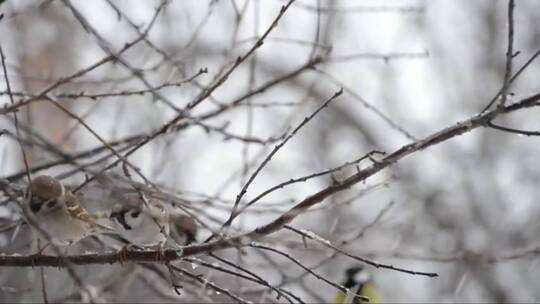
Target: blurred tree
(295, 134)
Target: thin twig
(514, 131)
(361, 259)
(251, 278)
(233, 213)
(16, 121)
(69, 78)
(295, 261)
(43, 286)
(509, 53)
(368, 105)
(240, 59)
(208, 284)
(305, 178)
(365, 9)
(104, 45)
(102, 140)
(386, 57)
(123, 93)
(280, 292)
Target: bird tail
(100, 228)
(101, 215)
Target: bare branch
(69, 78)
(295, 261)
(269, 157)
(359, 258)
(258, 233)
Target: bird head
(357, 275)
(45, 192)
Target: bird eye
(51, 204)
(35, 207)
(35, 203)
(135, 214)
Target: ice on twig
(315, 236)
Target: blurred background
(466, 209)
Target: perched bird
(151, 223)
(140, 223)
(359, 282)
(60, 213)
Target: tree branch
(245, 239)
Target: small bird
(359, 282)
(140, 223)
(151, 223)
(60, 213)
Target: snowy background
(466, 209)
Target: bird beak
(35, 204)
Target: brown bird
(60, 213)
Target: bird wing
(76, 211)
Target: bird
(149, 222)
(140, 223)
(359, 282)
(60, 213)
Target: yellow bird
(359, 282)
